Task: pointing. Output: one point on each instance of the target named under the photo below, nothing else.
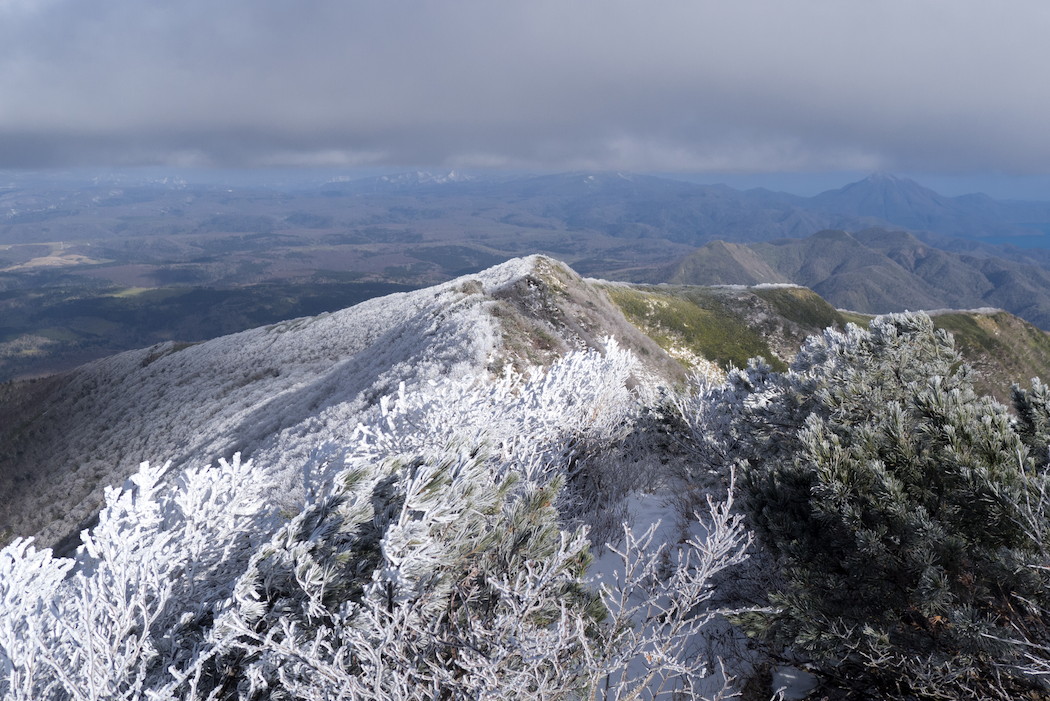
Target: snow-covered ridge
(760, 286)
(358, 506)
(269, 391)
(398, 181)
(421, 177)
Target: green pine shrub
(905, 513)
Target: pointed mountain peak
(882, 176)
(891, 199)
(880, 181)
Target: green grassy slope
(728, 325)
(1002, 348)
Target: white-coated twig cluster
(432, 559)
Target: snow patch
(776, 286)
(983, 311)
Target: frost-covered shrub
(430, 560)
(143, 587)
(403, 581)
(569, 420)
(900, 507)
(444, 579)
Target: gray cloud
(760, 85)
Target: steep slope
(726, 264)
(725, 326)
(270, 392)
(440, 553)
(1001, 347)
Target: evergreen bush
(904, 512)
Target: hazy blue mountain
(620, 205)
(905, 203)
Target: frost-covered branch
(659, 603)
(434, 558)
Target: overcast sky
(951, 87)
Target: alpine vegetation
(424, 512)
(905, 516)
(440, 551)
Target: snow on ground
(984, 311)
(290, 397)
(776, 286)
(236, 393)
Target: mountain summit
(903, 202)
(275, 392)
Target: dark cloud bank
(675, 86)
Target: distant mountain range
(631, 205)
(905, 203)
(876, 271)
(92, 267)
(622, 205)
